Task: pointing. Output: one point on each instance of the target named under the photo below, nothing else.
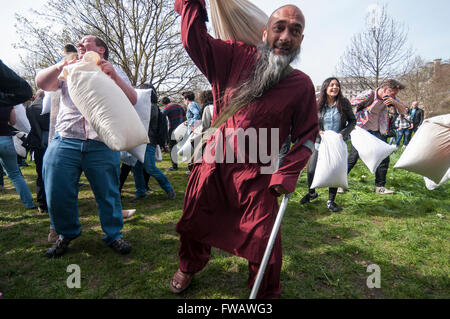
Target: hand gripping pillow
(371, 149)
(432, 185)
(238, 20)
(104, 105)
(143, 109)
(331, 168)
(428, 152)
(22, 123)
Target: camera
(387, 97)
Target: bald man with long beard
(233, 206)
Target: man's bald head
(293, 10)
(284, 30)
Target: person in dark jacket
(37, 141)
(149, 162)
(417, 116)
(13, 89)
(335, 113)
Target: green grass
(325, 254)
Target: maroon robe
(231, 206)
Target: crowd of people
(226, 205)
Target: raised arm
(212, 56)
(47, 79)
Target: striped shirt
(175, 114)
(70, 123)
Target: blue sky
(330, 24)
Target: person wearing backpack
(157, 136)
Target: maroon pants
(195, 255)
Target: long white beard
(268, 72)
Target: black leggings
(381, 172)
(310, 174)
(125, 170)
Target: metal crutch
(276, 226)
(268, 252)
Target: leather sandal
(181, 278)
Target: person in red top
(176, 115)
(233, 206)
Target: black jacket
(418, 117)
(39, 123)
(13, 89)
(348, 120)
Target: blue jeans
(150, 167)
(402, 133)
(64, 161)
(8, 160)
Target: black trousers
(40, 189)
(172, 143)
(381, 172)
(125, 170)
(310, 175)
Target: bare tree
(142, 35)
(429, 84)
(377, 53)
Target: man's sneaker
(137, 198)
(58, 248)
(172, 195)
(383, 190)
(332, 206)
(308, 197)
(120, 246)
(173, 168)
(340, 190)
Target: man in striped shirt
(176, 115)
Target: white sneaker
(340, 190)
(383, 190)
(127, 213)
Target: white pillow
(20, 150)
(22, 123)
(432, 185)
(238, 20)
(143, 108)
(428, 152)
(371, 149)
(158, 153)
(180, 132)
(46, 103)
(104, 105)
(331, 168)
